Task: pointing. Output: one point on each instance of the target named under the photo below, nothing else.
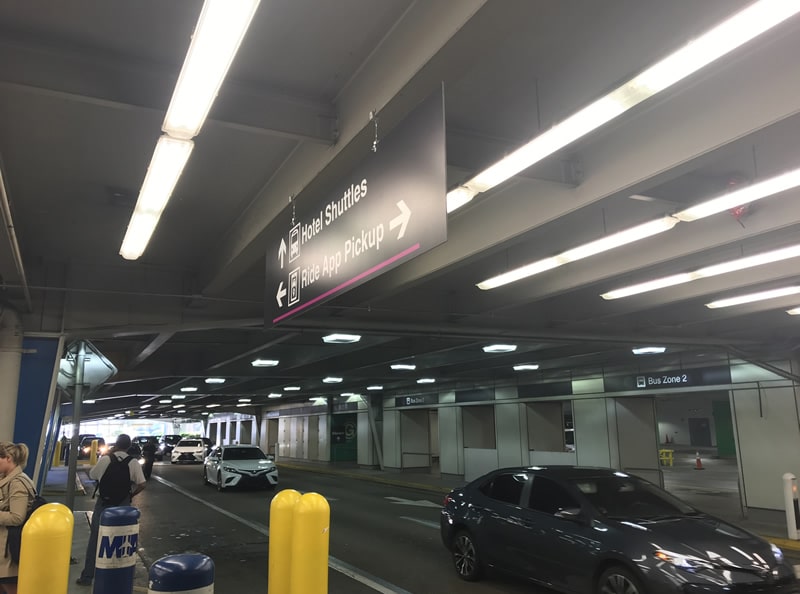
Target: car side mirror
(573, 514)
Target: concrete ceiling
(84, 87)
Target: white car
(188, 450)
(239, 466)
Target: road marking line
(426, 523)
(350, 571)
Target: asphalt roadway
(384, 526)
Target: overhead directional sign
(388, 210)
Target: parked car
(166, 443)
(584, 530)
(239, 466)
(188, 450)
(85, 446)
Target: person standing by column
(16, 494)
(111, 495)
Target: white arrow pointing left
(280, 295)
(402, 219)
(417, 503)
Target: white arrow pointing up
(282, 251)
(417, 503)
(401, 220)
(280, 295)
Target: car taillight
(447, 499)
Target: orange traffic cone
(698, 464)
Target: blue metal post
(117, 543)
(179, 574)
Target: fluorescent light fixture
(318, 400)
(264, 362)
(500, 348)
(204, 413)
(526, 367)
(291, 388)
(242, 404)
(403, 366)
(649, 350)
(274, 395)
(786, 253)
(341, 338)
(178, 405)
(426, 380)
(181, 412)
(794, 312)
(331, 380)
(165, 401)
(90, 401)
(188, 389)
(752, 297)
(166, 165)
(751, 193)
(178, 397)
(725, 37)
(375, 387)
(212, 405)
(244, 400)
(146, 406)
(216, 39)
(215, 380)
(586, 250)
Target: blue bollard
(182, 574)
(117, 543)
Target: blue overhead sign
(388, 210)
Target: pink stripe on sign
(347, 283)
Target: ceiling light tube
(341, 338)
(216, 39)
(331, 380)
(526, 367)
(752, 297)
(215, 380)
(746, 195)
(649, 350)
(166, 165)
(375, 387)
(188, 389)
(712, 45)
(778, 255)
(403, 366)
(264, 362)
(426, 380)
(500, 348)
(582, 251)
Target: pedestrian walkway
(55, 491)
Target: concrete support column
(10, 360)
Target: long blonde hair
(18, 452)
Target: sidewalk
(55, 491)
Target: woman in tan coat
(16, 494)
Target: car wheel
(619, 580)
(220, 486)
(465, 557)
(205, 477)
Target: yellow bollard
(281, 514)
(46, 547)
(93, 453)
(57, 455)
(309, 562)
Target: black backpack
(14, 536)
(115, 484)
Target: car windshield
(190, 443)
(624, 497)
(172, 439)
(243, 454)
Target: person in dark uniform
(149, 455)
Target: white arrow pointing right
(282, 251)
(402, 219)
(280, 295)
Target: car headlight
(777, 552)
(229, 469)
(687, 562)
